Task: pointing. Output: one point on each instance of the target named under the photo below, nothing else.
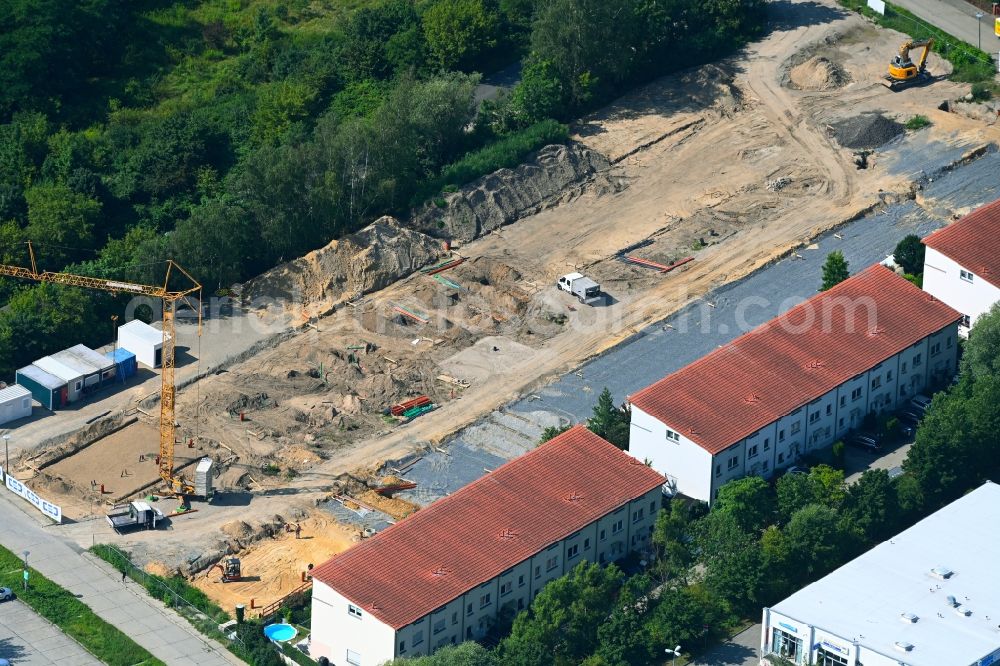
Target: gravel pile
(869, 130)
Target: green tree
(793, 491)
(818, 541)
(672, 537)
(589, 45)
(733, 562)
(552, 431)
(61, 219)
(835, 270)
(828, 485)
(622, 639)
(459, 32)
(981, 356)
(872, 505)
(560, 627)
(909, 254)
(749, 501)
(610, 422)
(468, 653)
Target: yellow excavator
(903, 72)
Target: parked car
(6, 594)
(920, 402)
(864, 440)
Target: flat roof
(795, 358)
(442, 551)
(60, 369)
(89, 356)
(143, 331)
(46, 379)
(13, 392)
(864, 599)
(973, 242)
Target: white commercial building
(442, 575)
(962, 264)
(142, 340)
(928, 597)
(15, 403)
(795, 384)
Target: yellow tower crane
(175, 483)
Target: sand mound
(510, 194)
(869, 130)
(366, 261)
(818, 73)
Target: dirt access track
(734, 163)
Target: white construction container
(203, 478)
(73, 376)
(15, 403)
(142, 340)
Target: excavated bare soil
(818, 73)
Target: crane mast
(176, 483)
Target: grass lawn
(75, 618)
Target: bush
(917, 122)
(981, 91)
(838, 450)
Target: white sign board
(48, 508)
(877, 6)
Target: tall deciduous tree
(459, 32)
(981, 357)
(835, 270)
(60, 218)
(909, 254)
(873, 505)
(749, 501)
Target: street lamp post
(26, 553)
(676, 652)
(979, 26)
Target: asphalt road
(740, 650)
(956, 18)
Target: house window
(572, 551)
(767, 443)
(965, 321)
(948, 342)
(876, 383)
(796, 427)
(826, 658)
(781, 435)
(538, 572)
(856, 394)
(353, 611)
(617, 526)
(917, 360)
(520, 581)
(604, 536)
(78, 385)
(843, 400)
(814, 417)
(468, 609)
(418, 638)
(402, 647)
(440, 626)
(638, 515)
(785, 645)
(829, 410)
(454, 617)
(935, 349)
(733, 462)
(485, 601)
(888, 376)
(353, 658)
(841, 424)
(781, 458)
(752, 451)
(506, 588)
(586, 543)
(966, 275)
(673, 436)
(718, 470)
(902, 368)
(551, 563)
(652, 507)
(766, 465)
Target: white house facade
(923, 598)
(962, 264)
(755, 406)
(445, 573)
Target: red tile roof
(500, 520)
(973, 242)
(794, 359)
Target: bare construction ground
(734, 163)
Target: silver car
(6, 594)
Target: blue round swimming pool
(280, 632)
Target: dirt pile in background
(869, 130)
(553, 175)
(366, 261)
(818, 73)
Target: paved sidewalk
(957, 18)
(28, 639)
(126, 605)
(740, 650)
